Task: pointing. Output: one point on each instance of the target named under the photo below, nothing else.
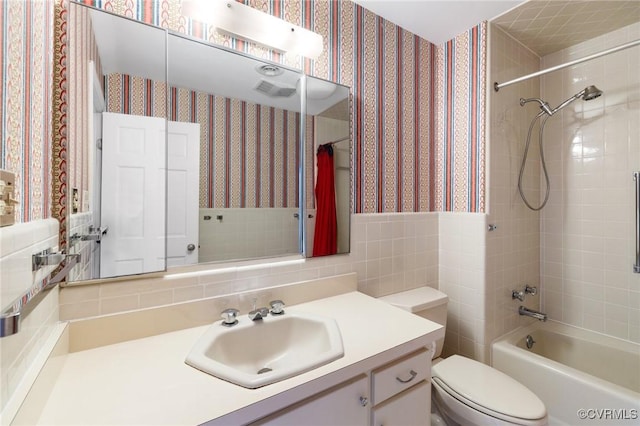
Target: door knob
(191, 247)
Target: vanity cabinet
(401, 391)
(397, 393)
(383, 377)
(346, 404)
(410, 408)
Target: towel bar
(10, 317)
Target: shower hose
(544, 165)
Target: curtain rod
(336, 141)
(497, 86)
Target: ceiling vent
(273, 90)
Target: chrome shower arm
(544, 106)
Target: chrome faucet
(531, 313)
(258, 314)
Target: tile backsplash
(390, 253)
(18, 352)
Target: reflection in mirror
(328, 203)
(248, 117)
(116, 162)
(234, 137)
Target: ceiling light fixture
(247, 23)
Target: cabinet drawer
(343, 405)
(410, 408)
(400, 375)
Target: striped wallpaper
(460, 129)
(369, 54)
(26, 42)
(418, 110)
(248, 153)
(83, 45)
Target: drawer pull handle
(413, 376)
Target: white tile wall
(88, 250)
(513, 248)
(17, 244)
(390, 252)
(247, 233)
(17, 352)
(462, 272)
(587, 234)
(395, 252)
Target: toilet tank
(426, 302)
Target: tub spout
(531, 313)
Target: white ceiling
(128, 47)
(546, 26)
(438, 21)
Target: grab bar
(636, 267)
(10, 317)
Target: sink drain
(264, 370)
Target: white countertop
(146, 381)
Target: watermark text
(607, 414)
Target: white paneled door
(133, 195)
(182, 195)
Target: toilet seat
(488, 391)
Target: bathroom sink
(258, 353)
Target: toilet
(465, 391)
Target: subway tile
(119, 304)
(79, 310)
(156, 298)
(617, 296)
(616, 328)
(77, 294)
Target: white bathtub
(583, 377)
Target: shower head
(588, 93)
(591, 92)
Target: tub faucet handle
(515, 294)
(530, 290)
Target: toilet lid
(481, 386)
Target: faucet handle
(229, 317)
(515, 294)
(530, 290)
(276, 307)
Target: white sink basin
(258, 353)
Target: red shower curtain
(325, 239)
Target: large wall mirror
(182, 152)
